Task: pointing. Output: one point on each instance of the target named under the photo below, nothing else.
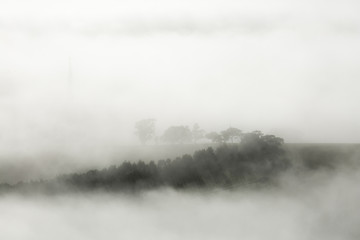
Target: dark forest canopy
(257, 159)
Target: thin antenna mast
(70, 73)
(70, 77)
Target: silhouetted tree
(177, 134)
(215, 137)
(145, 129)
(231, 134)
(197, 133)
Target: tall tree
(197, 133)
(145, 129)
(177, 134)
(231, 134)
(215, 137)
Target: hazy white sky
(287, 67)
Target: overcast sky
(288, 67)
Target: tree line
(145, 131)
(258, 159)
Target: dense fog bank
(322, 206)
(132, 119)
(290, 192)
(275, 191)
(258, 161)
(25, 166)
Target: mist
(322, 207)
(219, 64)
(317, 198)
(76, 78)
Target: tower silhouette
(70, 78)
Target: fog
(53, 162)
(322, 206)
(76, 75)
(285, 67)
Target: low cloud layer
(320, 207)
